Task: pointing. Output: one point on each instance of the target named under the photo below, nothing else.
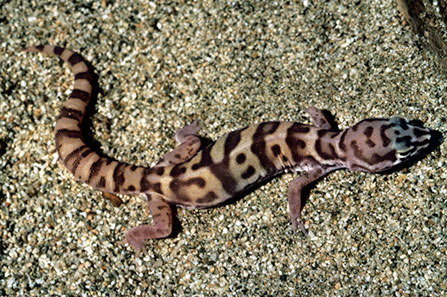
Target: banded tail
(101, 172)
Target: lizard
(193, 176)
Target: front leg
(295, 188)
(162, 215)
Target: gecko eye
(399, 122)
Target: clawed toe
(299, 223)
(137, 245)
(191, 129)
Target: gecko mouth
(406, 148)
(437, 137)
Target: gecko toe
(137, 245)
(298, 222)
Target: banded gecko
(192, 177)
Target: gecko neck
(327, 149)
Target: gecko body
(195, 177)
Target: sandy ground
(229, 64)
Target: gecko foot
(191, 129)
(135, 243)
(298, 222)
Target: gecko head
(376, 145)
(410, 138)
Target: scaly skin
(194, 178)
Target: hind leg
(320, 119)
(162, 215)
(189, 144)
(160, 209)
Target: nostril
(436, 137)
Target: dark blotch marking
(368, 131)
(208, 198)
(276, 150)
(385, 140)
(323, 153)
(220, 170)
(419, 132)
(131, 188)
(403, 124)
(68, 133)
(332, 149)
(39, 47)
(133, 167)
(157, 188)
(321, 133)
(248, 173)
(298, 128)
(241, 158)
(58, 50)
(78, 159)
(84, 75)
(405, 139)
(75, 153)
(198, 181)
(174, 185)
(75, 58)
(177, 171)
(232, 140)
(94, 169)
(102, 183)
(118, 176)
(296, 145)
(358, 152)
(71, 113)
(375, 158)
(159, 170)
(390, 156)
(145, 185)
(80, 94)
(370, 143)
(205, 158)
(342, 144)
(292, 140)
(86, 153)
(259, 145)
